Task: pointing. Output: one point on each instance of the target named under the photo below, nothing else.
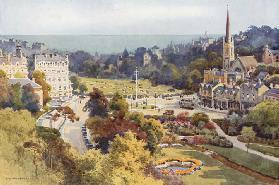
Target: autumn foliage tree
(98, 104)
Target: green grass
(265, 149)
(248, 160)
(212, 173)
(125, 86)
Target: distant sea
(104, 44)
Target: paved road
(242, 145)
(71, 131)
(173, 104)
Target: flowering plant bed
(179, 166)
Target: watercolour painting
(139, 92)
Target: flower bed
(165, 163)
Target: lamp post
(136, 74)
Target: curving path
(242, 145)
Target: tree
(105, 129)
(266, 115)
(75, 82)
(16, 96)
(3, 74)
(22, 150)
(127, 152)
(199, 118)
(125, 164)
(82, 88)
(119, 106)
(4, 93)
(249, 134)
(98, 104)
(155, 132)
(30, 100)
(91, 68)
(40, 79)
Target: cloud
(131, 16)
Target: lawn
(269, 150)
(212, 173)
(126, 87)
(251, 161)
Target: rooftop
(23, 81)
(248, 61)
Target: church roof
(248, 62)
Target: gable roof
(248, 62)
(23, 81)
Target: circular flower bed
(179, 166)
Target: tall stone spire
(228, 35)
(228, 45)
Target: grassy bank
(274, 151)
(248, 160)
(212, 173)
(126, 86)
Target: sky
(114, 17)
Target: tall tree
(249, 134)
(119, 106)
(30, 100)
(16, 96)
(266, 115)
(4, 93)
(98, 104)
(75, 82)
(82, 88)
(41, 80)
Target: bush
(186, 132)
(220, 141)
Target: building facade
(270, 57)
(251, 94)
(221, 89)
(56, 69)
(14, 65)
(222, 76)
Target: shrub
(220, 141)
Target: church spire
(228, 35)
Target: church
(221, 89)
(242, 64)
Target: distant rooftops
(49, 56)
(23, 81)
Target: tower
(228, 45)
(18, 51)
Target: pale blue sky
(133, 16)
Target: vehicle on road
(186, 104)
